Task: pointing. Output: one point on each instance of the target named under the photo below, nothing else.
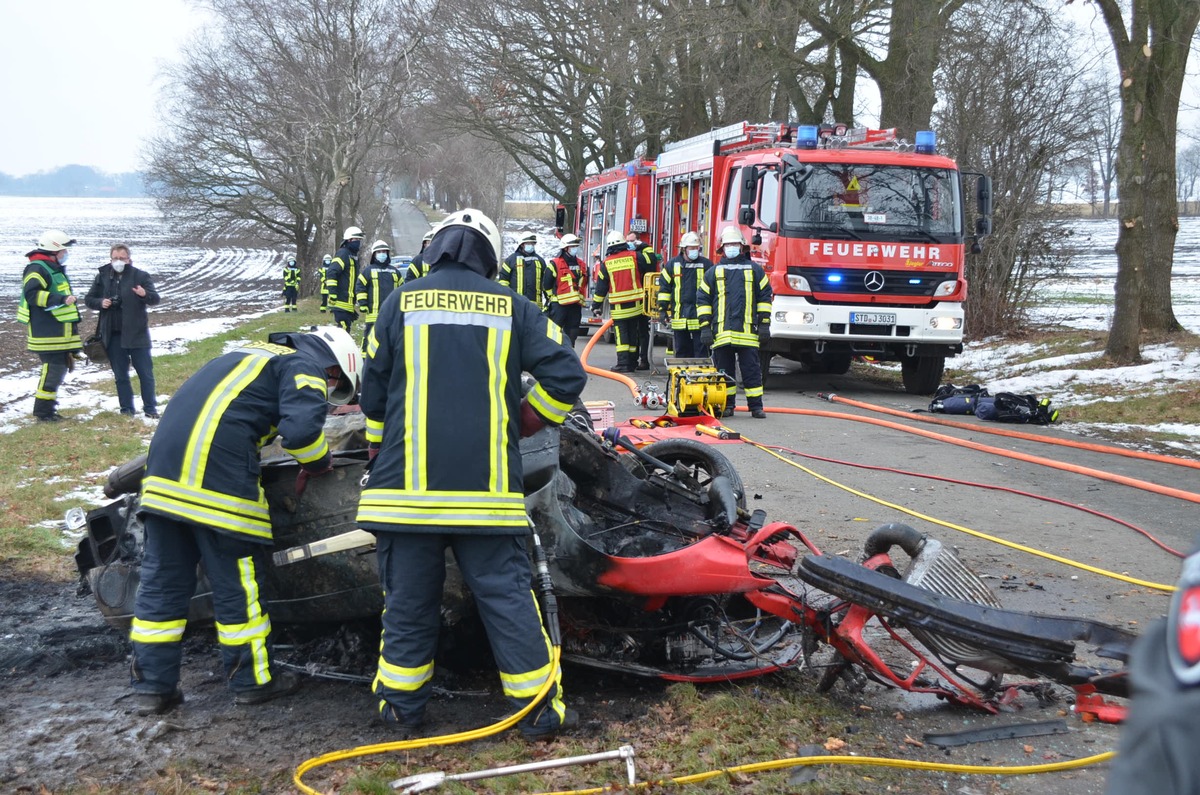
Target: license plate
(873, 318)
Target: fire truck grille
(896, 283)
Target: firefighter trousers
(625, 334)
(54, 369)
(171, 552)
(689, 345)
(746, 358)
(289, 299)
(344, 319)
(412, 569)
(568, 318)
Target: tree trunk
(905, 77)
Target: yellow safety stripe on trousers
(551, 410)
(374, 427)
(498, 347)
(241, 634)
(527, 685)
(397, 677)
(756, 391)
(143, 631)
(309, 453)
(254, 612)
(41, 393)
(623, 344)
(416, 391)
(312, 382)
(196, 453)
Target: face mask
(733, 251)
(62, 259)
(118, 265)
(693, 253)
(529, 248)
(573, 251)
(381, 257)
(632, 246)
(353, 245)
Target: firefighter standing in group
(202, 502)
(291, 285)
(647, 263)
(677, 285)
(375, 283)
(416, 267)
(322, 275)
(341, 278)
(619, 278)
(525, 271)
(734, 308)
(444, 415)
(49, 309)
(565, 281)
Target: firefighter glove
(597, 309)
(664, 317)
(706, 336)
(307, 475)
(372, 450)
(531, 423)
(764, 333)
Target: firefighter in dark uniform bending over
(677, 285)
(442, 399)
(202, 501)
(342, 273)
(734, 307)
(619, 279)
(525, 271)
(564, 282)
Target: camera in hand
(115, 302)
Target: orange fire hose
(587, 349)
(1033, 437)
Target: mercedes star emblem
(873, 281)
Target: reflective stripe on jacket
(617, 279)
(677, 285)
(53, 324)
(735, 296)
(342, 272)
(291, 276)
(566, 280)
(375, 283)
(525, 274)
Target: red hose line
(1033, 437)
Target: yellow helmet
(690, 240)
(731, 234)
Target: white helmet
(380, 245)
(54, 240)
(327, 259)
(529, 237)
(474, 219)
(569, 240)
(348, 357)
(352, 233)
(690, 240)
(614, 238)
(291, 260)
(731, 234)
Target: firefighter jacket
(342, 273)
(526, 275)
(127, 313)
(322, 277)
(203, 463)
(441, 393)
(291, 276)
(735, 296)
(416, 269)
(619, 278)
(52, 324)
(375, 283)
(677, 285)
(565, 280)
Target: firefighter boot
(281, 684)
(624, 365)
(157, 703)
(570, 721)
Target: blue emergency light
(926, 142)
(914, 281)
(806, 136)
(834, 277)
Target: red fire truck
(862, 235)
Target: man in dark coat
(122, 292)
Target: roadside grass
(46, 461)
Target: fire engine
(862, 234)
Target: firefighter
(525, 271)
(618, 279)
(48, 308)
(417, 268)
(341, 277)
(202, 502)
(647, 263)
(375, 282)
(733, 304)
(291, 285)
(565, 286)
(677, 296)
(444, 413)
(322, 275)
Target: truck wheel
(765, 357)
(836, 363)
(922, 374)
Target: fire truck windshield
(866, 202)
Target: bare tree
(1105, 123)
(1010, 109)
(1189, 174)
(1152, 44)
(280, 115)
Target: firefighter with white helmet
(566, 282)
(342, 276)
(202, 501)
(619, 279)
(291, 285)
(444, 415)
(525, 271)
(48, 308)
(734, 309)
(322, 284)
(677, 285)
(375, 283)
(416, 266)
(647, 261)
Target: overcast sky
(78, 79)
